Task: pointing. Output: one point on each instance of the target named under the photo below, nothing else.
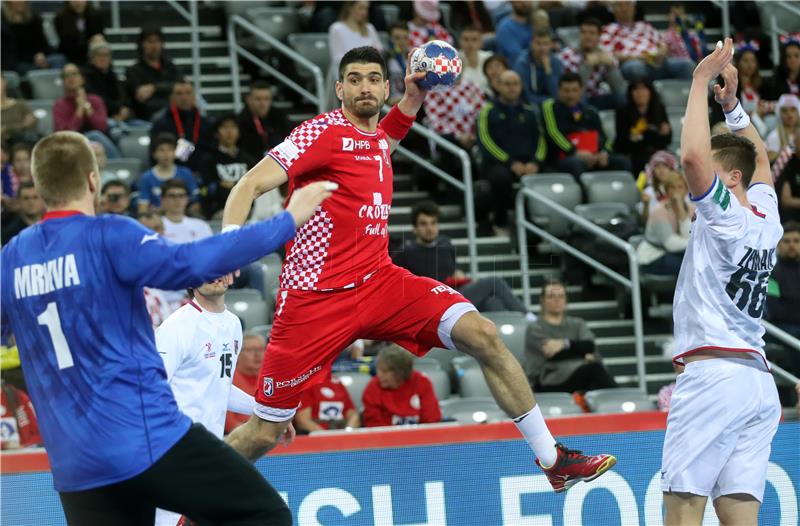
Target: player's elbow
(692, 160)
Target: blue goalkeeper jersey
(72, 295)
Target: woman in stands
(642, 126)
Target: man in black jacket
(261, 125)
(577, 141)
(150, 79)
(511, 141)
(102, 81)
(783, 293)
(183, 119)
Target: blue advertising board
(481, 483)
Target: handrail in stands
(234, 49)
(775, 30)
(632, 283)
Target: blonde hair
(60, 163)
(674, 179)
(16, 17)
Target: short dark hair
(551, 282)
(362, 55)
(174, 183)
(399, 24)
(146, 33)
(570, 77)
(494, 58)
(428, 208)
(592, 21)
(164, 138)
(223, 119)
(471, 27)
(259, 84)
(735, 152)
(791, 226)
(114, 183)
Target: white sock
(535, 431)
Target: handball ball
(439, 60)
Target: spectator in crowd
(453, 113)
(780, 142)
(473, 57)
(470, 13)
(651, 180)
(788, 186)
(115, 198)
(24, 44)
(642, 125)
(31, 210)
(76, 24)
(599, 71)
(17, 122)
(223, 167)
(783, 292)
(512, 143)
(639, 48)
(261, 125)
(326, 13)
(492, 68)
(82, 112)
(684, 36)
(178, 227)
(183, 119)
(432, 255)
(560, 352)
(103, 81)
(17, 171)
(515, 30)
(246, 375)
(326, 405)
(752, 90)
(396, 58)
(151, 78)
(539, 69)
(424, 25)
(20, 427)
(667, 232)
(352, 30)
(399, 395)
(786, 79)
(102, 162)
(158, 306)
(165, 169)
(578, 142)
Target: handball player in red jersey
(338, 283)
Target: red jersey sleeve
(307, 148)
(375, 413)
(429, 404)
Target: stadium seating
(43, 111)
(602, 213)
(611, 186)
(557, 404)
(472, 410)
(279, 22)
(675, 116)
(441, 383)
(46, 83)
(445, 358)
(128, 170)
(618, 400)
(391, 12)
(12, 84)
(471, 383)
(355, 383)
(561, 188)
(249, 305)
(136, 145)
(313, 46)
(569, 35)
(511, 326)
(609, 120)
(674, 92)
(272, 273)
(263, 330)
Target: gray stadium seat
(561, 188)
(272, 273)
(445, 358)
(471, 383)
(511, 326)
(608, 119)
(675, 116)
(128, 170)
(569, 35)
(215, 224)
(426, 365)
(313, 46)
(279, 22)
(46, 83)
(602, 213)
(618, 400)
(674, 92)
(391, 12)
(263, 330)
(441, 383)
(472, 410)
(557, 404)
(43, 111)
(611, 186)
(136, 145)
(12, 84)
(355, 383)
(250, 306)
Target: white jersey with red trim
(346, 240)
(722, 285)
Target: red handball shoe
(572, 467)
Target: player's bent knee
(480, 337)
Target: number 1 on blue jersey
(50, 319)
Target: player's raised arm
(261, 178)
(400, 119)
(739, 122)
(696, 134)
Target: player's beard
(362, 110)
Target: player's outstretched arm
(696, 134)
(263, 177)
(726, 97)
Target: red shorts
(312, 328)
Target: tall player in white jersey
(200, 344)
(725, 407)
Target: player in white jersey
(200, 343)
(725, 407)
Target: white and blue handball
(439, 60)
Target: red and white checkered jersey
(418, 35)
(677, 46)
(635, 40)
(346, 240)
(454, 111)
(573, 60)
